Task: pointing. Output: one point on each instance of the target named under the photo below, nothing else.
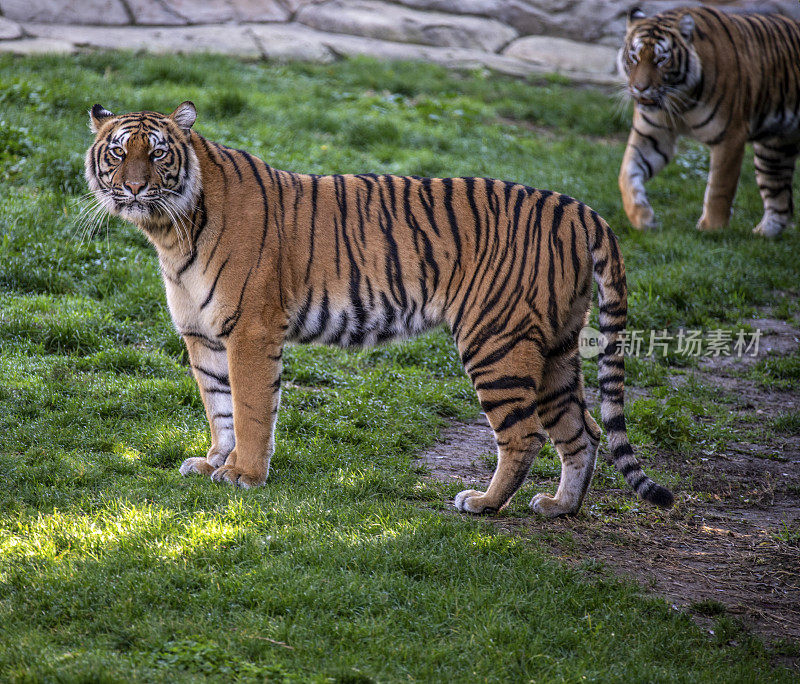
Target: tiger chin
(721, 79)
(253, 257)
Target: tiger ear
(98, 115)
(635, 14)
(184, 115)
(686, 26)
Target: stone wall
(574, 37)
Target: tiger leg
(572, 430)
(209, 363)
(725, 165)
(775, 164)
(648, 151)
(254, 359)
(507, 392)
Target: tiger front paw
(714, 220)
(203, 466)
(196, 465)
(472, 501)
(642, 217)
(216, 458)
(237, 477)
(550, 507)
(771, 226)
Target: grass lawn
(349, 565)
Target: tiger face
(141, 166)
(660, 62)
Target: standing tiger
(253, 257)
(723, 80)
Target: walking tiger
(721, 79)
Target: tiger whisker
(92, 223)
(181, 213)
(175, 219)
(87, 217)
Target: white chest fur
(190, 305)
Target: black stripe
(221, 379)
(518, 414)
(208, 299)
(249, 159)
(209, 343)
(230, 322)
(507, 382)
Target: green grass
(680, 420)
(343, 567)
(787, 423)
(777, 372)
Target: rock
(285, 42)
(576, 19)
(294, 5)
(66, 11)
(485, 8)
(205, 12)
(614, 32)
(344, 45)
(259, 10)
(451, 57)
(290, 41)
(785, 7)
(789, 9)
(376, 19)
(154, 12)
(231, 40)
(585, 20)
(563, 55)
(37, 46)
(9, 29)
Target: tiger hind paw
(472, 501)
(550, 507)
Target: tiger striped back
(266, 256)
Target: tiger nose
(134, 186)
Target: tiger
(253, 257)
(723, 80)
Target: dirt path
(729, 547)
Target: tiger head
(660, 61)
(141, 166)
